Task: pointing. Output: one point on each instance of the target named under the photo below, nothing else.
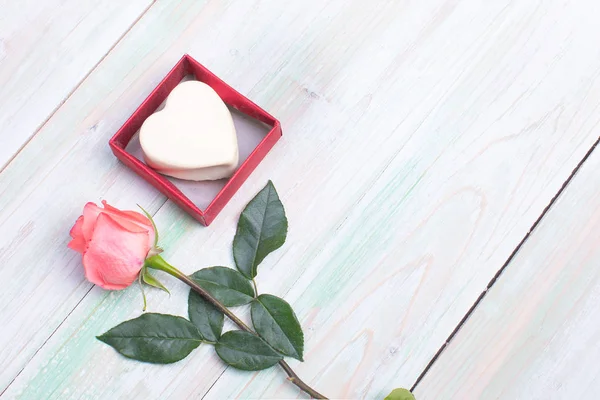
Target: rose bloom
(114, 244)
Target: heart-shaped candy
(193, 137)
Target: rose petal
(90, 215)
(137, 217)
(114, 255)
(78, 242)
(76, 229)
(130, 220)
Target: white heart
(193, 137)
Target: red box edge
(123, 136)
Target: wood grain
(421, 142)
(535, 334)
(46, 49)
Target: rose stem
(157, 262)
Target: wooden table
(437, 169)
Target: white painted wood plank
(46, 49)
(534, 335)
(419, 147)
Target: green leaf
(205, 316)
(149, 279)
(243, 350)
(400, 394)
(262, 228)
(225, 284)
(275, 321)
(154, 338)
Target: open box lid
(182, 192)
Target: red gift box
(256, 129)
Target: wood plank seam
(77, 86)
(505, 265)
(492, 281)
(214, 383)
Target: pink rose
(114, 244)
